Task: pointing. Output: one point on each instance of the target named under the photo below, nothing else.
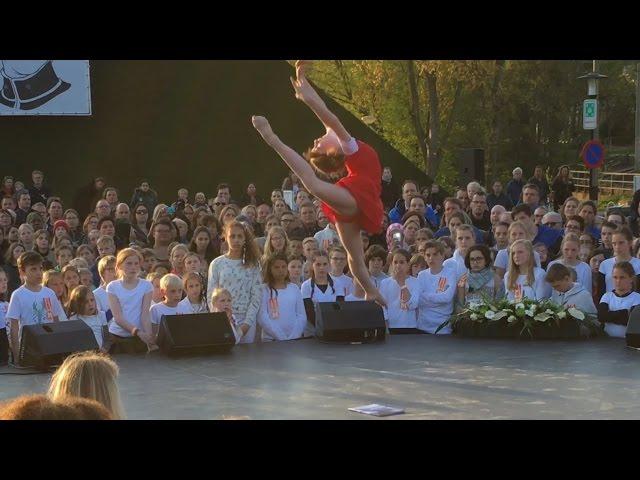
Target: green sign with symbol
(590, 114)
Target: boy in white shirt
(171, 287)
(437, 289)
(465, 239)
(107, 272)
(31, 303)
(338, 261)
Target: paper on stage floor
(378, 410)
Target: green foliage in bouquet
(530, 318)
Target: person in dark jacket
(498, 197)
(250, 197)
(39, 192)
(562, 187)
(86, 197)
(515, 185)
(390, 189)
(540, 181)
(145, 195)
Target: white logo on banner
(45, 87)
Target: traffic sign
(590, 114)
(593, 154)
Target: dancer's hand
(263, 127)
(304, 91)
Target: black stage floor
(431, 377)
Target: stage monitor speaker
(195, 333)
(361, 322)
(48, 344)
(471, 165)
(633, 328)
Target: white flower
(490, 315)
(474, 316)
(549, 311)
(511, 319)
(534, 308)
(575, 313)
(519, 306)
(541, 317)
(562, 314)
(501, 314)
(529, 313)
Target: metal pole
(593, 173)
(636, 162)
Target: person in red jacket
(353, 203)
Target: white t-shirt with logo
(34, 308)
(130, 304)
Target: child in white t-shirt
(221, 302)
(437, 287)
(281, 315)
(171, 288)
(154, 278)
(130, 301)
(83, 306)
(107, 272)
(342, 283)
(195, 301)
(31, 303)
(401, 291)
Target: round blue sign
(593, 154)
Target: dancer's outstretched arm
(306, 93)
(338, 198)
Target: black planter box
(568, 328)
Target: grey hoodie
(578, 296)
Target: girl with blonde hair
(88, 375)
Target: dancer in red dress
(353, 203)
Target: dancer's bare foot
(263, 127)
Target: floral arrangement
(526, 317)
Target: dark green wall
(175, 123)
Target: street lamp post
(592, 79)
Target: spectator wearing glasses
(160, 235)
(140, 224)
(103, 209)
(552, 220)
(287, 221)
(574, 224)
(218, 204)
(480, 216)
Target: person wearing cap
(60, 226)
(515, 186)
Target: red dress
(364, 182)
